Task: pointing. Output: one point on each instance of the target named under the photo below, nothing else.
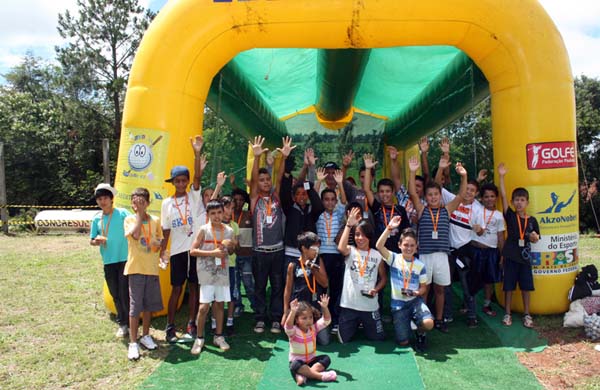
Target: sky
(30, 26)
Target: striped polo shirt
(335, 220)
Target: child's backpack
(585, 282)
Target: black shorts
(183, 267)
(296, 364)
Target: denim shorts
(415, 310)
(517, 272)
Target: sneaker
(191, 333)
(259, 327)
(170, 335)
(329, 376)
(448, 319)
(527, 321)
(421, 342)
(197, 347)
(488, 310)
(238, 311)
(472, 323)
(275, 327)
(220, 342)
(133, 352)
(123, 331)
(335, 329)
(441, 326)
(148, 343)
(507, 320)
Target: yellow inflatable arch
(513, 42)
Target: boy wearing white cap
(107, 232)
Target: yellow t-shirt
(140, 258)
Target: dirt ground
(570, 361)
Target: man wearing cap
(180, 220)
(107, 232)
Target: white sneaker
(133, 353)
(220, 342)
(197, 347)
(148, 343)
(123, 331)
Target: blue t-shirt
(399, 270)
(115, 250)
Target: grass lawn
(56, 333)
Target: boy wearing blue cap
(180, 220)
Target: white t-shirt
(172, 210)
(493, 222)
(354, 282)
(460, 220)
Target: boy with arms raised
(434, 234)
(522, 230)
(267, 222)
(409, 285)
(180, 220)
(144, 238)
(214, 243)
(107, 232)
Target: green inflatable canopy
(397, 94)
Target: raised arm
(395, 170)
(221, 178)
(339, 179)
(346, 161)
(199, 160)
(424, 148)
(353, 220)
(413, 166)
(394, 223)
(370, 163)
(502, 171)
(462, 192)
(442, 167)
(285, 151)
(257, 150)
(445, 146)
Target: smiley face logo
(140, 156)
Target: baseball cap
(178, 170)
(330, 164)
(104, 189)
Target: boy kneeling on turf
(409, 285)
(212, 247)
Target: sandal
(507, 320)
(527, 321)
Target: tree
(101, 43)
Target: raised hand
(338, 176)
(294, 305)
(232, 179)
(482, 175)
(203, 162)
(395, 222)
(424, 145)
(502, 170)
(287, 147)
(347, 159)
(221, 178)
(369, 160)
(444, 162)
(393, 152)
(354, 217)
(321, 175)
(197, 143)
(257, 144)
(460, 169)
(413, 164)
(309, 156)
(324, 302)
(445, 145)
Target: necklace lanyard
(269, 207)
(239, 218)
(149, 236)
(102, 227)
(489, 219)
(183, 216)
(362, 266)
(406, 280)
(522, 230)
(314, 342)
(437, 218)
(385, 215)
(328, 224)
(312, 289)
(216, 242)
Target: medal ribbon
(489, 219)
(314, 286)
(314, 342)
(437, 218)
(102, 227)
(328, 224)
(149, 236)
(216, 242)
(362, 266)
(385, 215)
(182, 216)
(406, 280)
(522, 230)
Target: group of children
(323, 243)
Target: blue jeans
(243, 269)
(415, 310)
